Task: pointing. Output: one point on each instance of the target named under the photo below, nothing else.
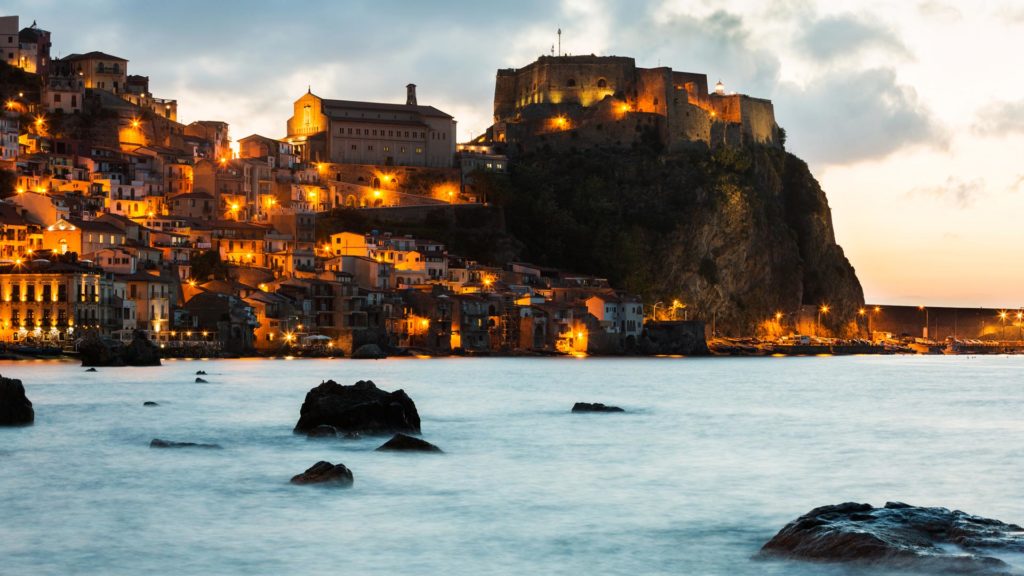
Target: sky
(909, 113)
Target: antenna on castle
(552, 49)
(559, 41)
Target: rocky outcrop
(406, 443)
(595, 407)
(735, 234)
(361, 407)
(201, 381)
(149, 403)
(96, 350)
(327, 474)
(898, 536)
(684, 338)
(158, 443)
(15, 408)
(369, 352)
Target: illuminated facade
(49, 301)
(99, 70)
(348, 132)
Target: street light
(654, 311)
(1020, 316)
(925, 333)
(1002, 317)
(823, 309)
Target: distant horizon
(919, 167)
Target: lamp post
(1002, 318)
(925, 333)
(823, 309)
(1020, 325)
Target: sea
(711, 457)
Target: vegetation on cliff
(736, 234)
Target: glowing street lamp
(1002, 318)
(823, 309)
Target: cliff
(738, 234)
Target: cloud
(1018, 184)
(847, 116)
(940, 10)
(846, 36)
(1000, 119)
(954, 190)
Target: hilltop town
(120, 219)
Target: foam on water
(711, 459)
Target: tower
(410, 95)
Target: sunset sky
(911, 114)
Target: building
(608, 100)
(34, 50)
(81, 237)
(100, 71)
(48, 301)
(9, 39)
(349, 132)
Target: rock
(323, 431)
(201, 381)
(368, 352)
(158, 443)
(899, 536)
(406, 443)
(149, 403)
(361, 407)
(325, 473)
(97, 350)
(91, 370)
(595, 407)
(200, 372)
(15, 408)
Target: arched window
(602, 83)
(571, 83)
(376, 182)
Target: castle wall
(695, 85)
(654, 90)
(505, 89)
(759, 120)
(688, 123)
(582, 80)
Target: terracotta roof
(381, 107)
(91, 56)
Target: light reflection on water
(711, 459)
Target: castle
(581, 101)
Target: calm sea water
(712, 458)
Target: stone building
(48, 301)
(349, 132)
(99, 70)
(608, 100)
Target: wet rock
(15, 408)
(361, 407)
(158, 443)
(97, 350)
(369, 352)
(898, 536)
(323, 431)
(149, 403)
(595, 407)
(91, 370)
(201, 381)
(200, 372)
(327, 474)
(406, 443)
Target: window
(602, 83)
(370, 147)
(571, 83)
(419, 150)
(353, 146)
(56, 98)
(387, 148)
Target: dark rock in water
(201, 381)
(149, 403)
(158, 443)
(899, 536)
(91, 370)
(595, 407)
(361, 407)
(200, 372)
(325, 473)
(323, 431)
(352, 435)
(15, 408)
(96, 350)
(368, 352)
(406, 443)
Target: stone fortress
(587, 101)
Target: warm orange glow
(40, 121)
(778, 316)
(17, 261)
(862, 311)
(10, 104)
(824, 309)
(234, 207)
(878, 309)
(135, 123)
(1002, 315)
(624, 108)
(191, 282)
(20, 190)
(376, 193)
(223, 160)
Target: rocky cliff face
(737, 234)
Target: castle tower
(410, 95)
(720, 88)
